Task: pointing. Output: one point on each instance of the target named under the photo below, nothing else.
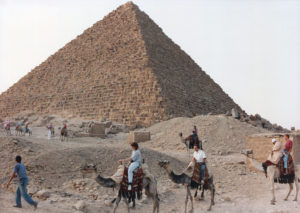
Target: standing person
(49, 130)
(135, 160)
(20, 172)
(287, 150)
(199, 156)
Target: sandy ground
(54, 166)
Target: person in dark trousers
(20, 172)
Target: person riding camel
(135, 160)
(276, 154)
(26, 127)
(199, 156)
(287, 150)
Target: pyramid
(123, 68)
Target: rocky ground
(58, 185)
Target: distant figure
(195, 130)
(20, 172)
(50, 127)
(287, 150)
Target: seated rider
(26, 127)
(135, 160)
(65, 126)
(287, 150)
(199, 156)
(276, 153)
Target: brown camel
(188, 182)
(149, 185)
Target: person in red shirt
(287, 150)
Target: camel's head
(88, 168)
(164, 163)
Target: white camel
(273, 173)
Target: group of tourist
(199, 157)
(279, 153)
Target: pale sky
(251, 48)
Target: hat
(274, 140)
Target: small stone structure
(261, 145)
(137, 137)
(97, 130)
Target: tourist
(287, 150)
(49, 130)
(199, 156)
(135, 160)
(276, 153)
(20, 172)
(195, 130)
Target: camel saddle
(287, 176)
(137, 182)
(196, 174)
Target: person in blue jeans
(20, 172)
(199, 156)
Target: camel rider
(26, 127)
(135, 160)
(65, 126)
(199, 156)
(287, 150)
(276, 153)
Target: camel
(52, 131)
(7, 130)
(187, 181)
(149, 186)
(273, 173)
(19, 130)
(23, 130)
(187, 142)
(63, 134)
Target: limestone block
(138, 136)
(97, 130)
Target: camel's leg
(186, 198)
(155, 203)
(212, 194)
(127, 204)
(117, 203)
(297, 188)
(272, 189)
(290, 190)
(191, 198)
(202, 193)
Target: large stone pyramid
(123, 68)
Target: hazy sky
(251, 48)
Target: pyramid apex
(129, 4)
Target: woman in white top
(135, 160)
(199, 156)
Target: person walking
(20, 172)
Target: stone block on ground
(97, 130)
(138, 136)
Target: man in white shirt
(199, 156)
